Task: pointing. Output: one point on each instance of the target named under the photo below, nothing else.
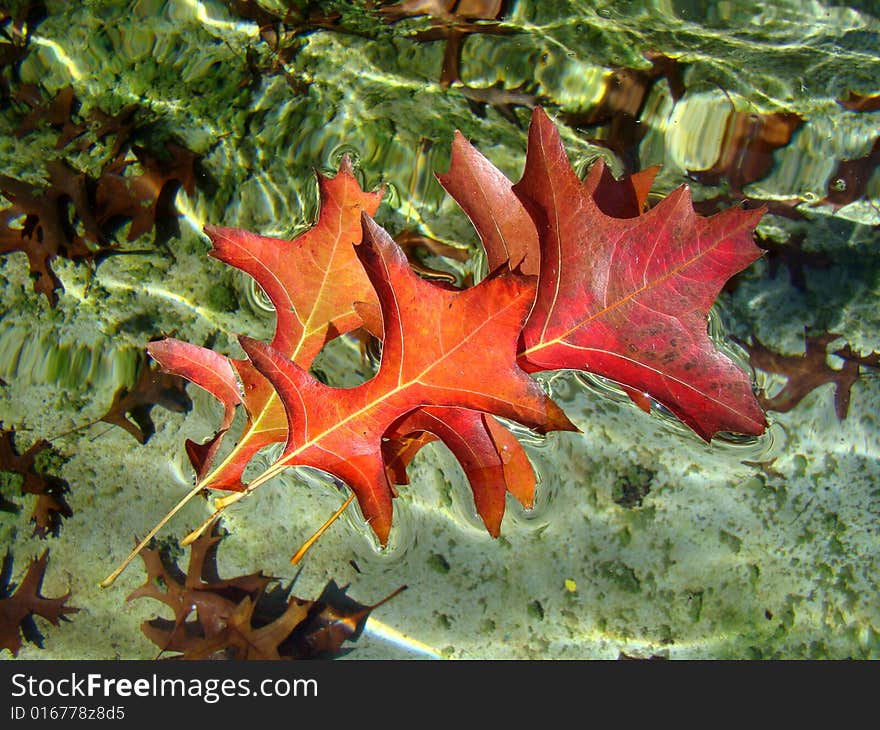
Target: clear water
(763, 548)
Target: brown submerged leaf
(140, 197)
(18, 608)
(849, 181)
(50, 507)
(73, 215)
(792, 255)
(16, 28)
(333, 619)
(861, 102)
(58, 112)
(806, 372)
(747, 147)
(236, 618)
(453, 21)
(620, 108)
(39, 223)
(131, 407)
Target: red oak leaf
(492, 458)
(643, 327)
(506, 229)
(209, 370)
(442, 347)
(637, 315)
(484, 193)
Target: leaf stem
(225, 502)
(110, 579)
(307, 545)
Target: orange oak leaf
(313, 282)
(489, 454)
(308, 316)
(442, 347)
(493, 460)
